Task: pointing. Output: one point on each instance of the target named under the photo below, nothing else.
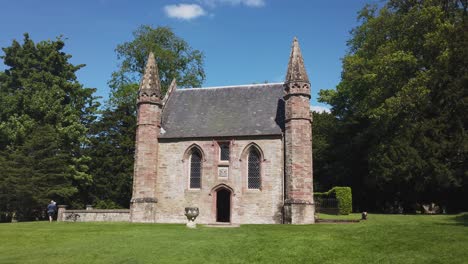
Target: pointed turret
(143, 202)
(296, 69)
(297, 81)
(150, 86)
(299, 202)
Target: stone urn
(191, 213)
(364, 216)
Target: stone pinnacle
(296, 69)
(150, 84)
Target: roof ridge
(229, 86)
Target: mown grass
(381, 239)
(340, 217)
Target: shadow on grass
(458, 220)
(461, 219)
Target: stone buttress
(143, 202)
(299, 204)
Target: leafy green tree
(113, 135)
(402, 104)
(35, 172)
(175, 58)
(112, 148)
(330, 149)
(326, 173)
(44, 114)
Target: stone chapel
(241, 154)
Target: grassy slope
(381, 239)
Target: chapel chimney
(299, 202)
(143, 202)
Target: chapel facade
(241, 154)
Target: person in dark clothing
(51, 208)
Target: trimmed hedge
(343, 195)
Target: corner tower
(299, 202)
(143, 202)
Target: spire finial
(150, 85)
(296, 69)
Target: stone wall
(262, 206)
(95, 215)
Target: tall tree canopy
(113, 135)
(328, 149)
(402, 104)
(44, 115)
(175, 58)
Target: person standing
(51, 208)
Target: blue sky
(244, 41)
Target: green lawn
(381, 239)
(340, 217)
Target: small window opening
(224, 152)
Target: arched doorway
(223, 205)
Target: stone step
(220, 224)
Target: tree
(326, 172)
(330, 150)
(175, 58)
(113, 135)
(35, 172)
(44, 114)
(401, 104)
(112, 148)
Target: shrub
(345, 199)
(107, 204)
(342, 194)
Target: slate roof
(247, 110)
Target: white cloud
(254, 3)
(184, 11)
(249, 3)
(319, 109)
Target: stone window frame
(224, 143)
(223, 163)
(254, 179)
(245, 166)
(187, 160)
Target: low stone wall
(93, 215)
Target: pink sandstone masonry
(262, 206)
(299, 203)
(143, 202)
(146, 161)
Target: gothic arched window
(195, 169)
(253, 177)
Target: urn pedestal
(191, 213)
